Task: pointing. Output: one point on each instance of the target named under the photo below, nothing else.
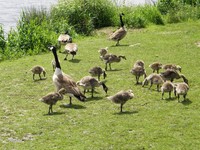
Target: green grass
(147, 123)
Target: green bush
(141, 16)
(2, 41)
(32, 35)
(84, 15)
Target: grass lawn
(147, 122)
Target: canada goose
(139, 63)
(172, 66)
(153, 79)
(120, 33)
(97, 71)
(62, 80)
(38, 70)
(64, 38)
(171, 74)
(111, 58)
(121, 97)
(138, 71)
(103, 52)
(156, 66)
(89, 82)
(70, 48)
(181, 89)
(167, 87)
(52, 98)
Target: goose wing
(118, 34)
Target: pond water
(10, 10)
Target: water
(10, 10)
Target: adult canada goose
(138, 71)
(62, 80)
(97, 71)
(181, 89)
(171, 74)
(89, 82)
(64, 38)
(167, 87)
(52, 98)
(111, 58)
(156, 66)
(120, 33)
(153, 79)
(121, 97)
(70, 48)
(172, 66)
(38, 70)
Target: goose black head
(52, 48)
(122, 14)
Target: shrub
(2, 40)
(84, 15)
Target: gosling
(172, 66)
(52, 98)
(153, 79)
(181, 89)
(89, 82)
(167, 87)
(171, 74)
(70, 48)
(156, 66)
(111, 58)
(103, 52)
(138, 71)
(139, 63)
(38, 70)
(121, 98)
(98, 71)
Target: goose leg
(117, 43)
(121, 108)
(70, 101)
(169, 95)
(158, 87)
(92, 92)
(40, 77)
(50, 109)
(184, 96)
(162, 94)
(178, 97)
(66, 57)
(33, 76)
(106, 67)
(110, 66)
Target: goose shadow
(54, 113)
(169, 99)
(75, 60)
(121, 45)
(112, 70)
(73, 106)
(93, 99)
(126, 113)
(37, 80)
(186, 102)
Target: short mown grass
(147, 122)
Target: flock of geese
(65, 85)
